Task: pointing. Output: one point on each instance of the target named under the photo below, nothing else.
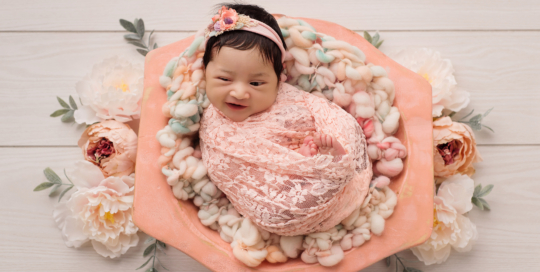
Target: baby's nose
(239, 93)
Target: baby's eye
(259, 83)
(224, 79)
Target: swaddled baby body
(291, 162)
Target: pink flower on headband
(228, 19)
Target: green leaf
(145, 263)
(388, 260)
(155, 46)
(149, 37)
(477, 118)
(486, 190)
(59, 112)
(488, 128)
(410, 269)
(161, 244)
(149, 249)
(54, 189)
(367, 36)
(43, 186)
(139, 25)
(151, 270)
(375, 39)
(477, 190)
(138, 44)
(52, 176)
(487, 112)
(62, 103)
(64, 192)
(485, 204)
(477, 203)
(132, 37)
(379, 44)
(68, 117)
(72, 103)
(159, 262)
(142, 51)
(128, 25)
(149, 240)
(466, 115)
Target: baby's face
(239, 83)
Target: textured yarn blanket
(280, 190)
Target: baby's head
(242, 68)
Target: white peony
(439, 73)
(113, 90)
(99, 211)
(451, 229)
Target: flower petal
(86, 115)
(85, 175)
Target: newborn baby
(292, 162)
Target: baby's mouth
(233, 106)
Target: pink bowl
(158, 213)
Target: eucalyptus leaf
(151, 270)
(475, 125)
(145, 263)
(62, 103)
(72, 103)
(375, 38)
(477, 118)
(367, 36)
(54, 189)
(128, 25)
(138, 44)
(161, 244)
(410, 269)
(487, 112)
(379, 44)
(155, 46)
(159, 262)
(43, 186)
(477, 203)
(149, 37)
(466, 115)
(149, 240)
(485, 204)
(142, 51)
(132, 37)
(488, 128)
(68, 116)
(486, 190)
(64, 192)
(477, 190)
(52, 176)
(59, 112)
(149, 249)
(140, 28)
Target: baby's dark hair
(246, 40)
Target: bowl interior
(158, 213)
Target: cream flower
(454, 148)
(112, 146)
(451, 229)
(439, 73)
(113, 90)
(99, 211)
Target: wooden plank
(67, 15)
(498, 69)
(508, 235)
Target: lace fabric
(278, 189)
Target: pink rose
(110, 145)
(228, 18)
(454, 148)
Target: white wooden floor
(47, 46)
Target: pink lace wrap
(278, 189)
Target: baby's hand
(308, 148)
(329, 145)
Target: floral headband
(229, 19)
